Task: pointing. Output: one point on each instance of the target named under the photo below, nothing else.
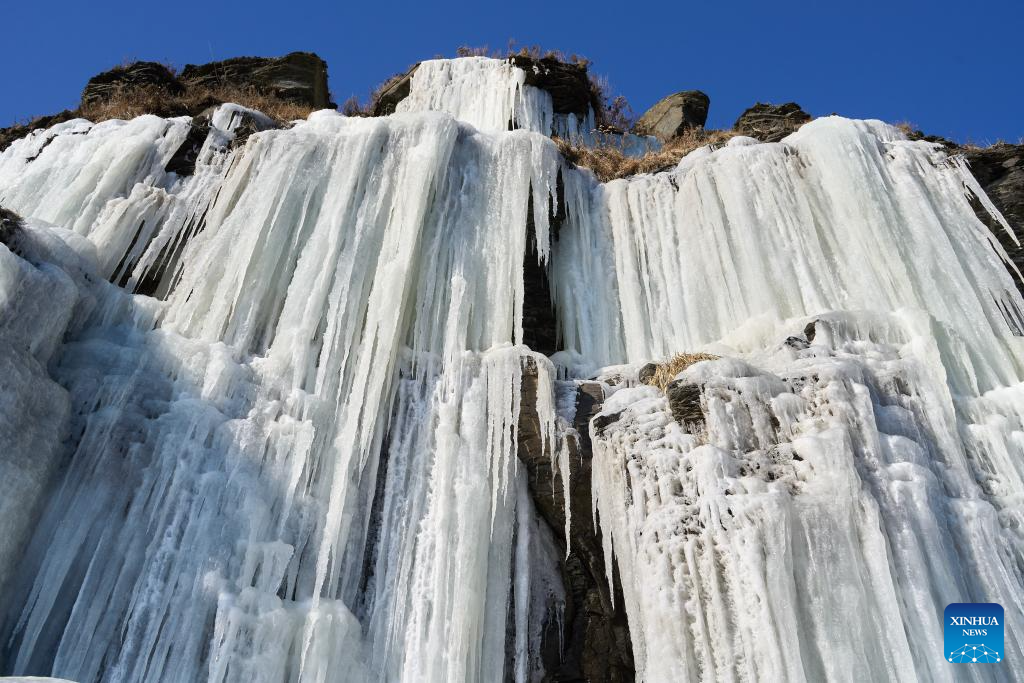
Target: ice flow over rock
(259, 422)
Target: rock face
(138, 75)
(16, 132)
(674, 114)
(10, 225)
(1000, 171)
(771, 122)
(568, 84)
(596, 636)
(393, 92)
(299, 77)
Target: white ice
(297, 461)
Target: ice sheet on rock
(301, 459)
(489, 94)
(42, 273)
(836, 474)
(108, 182)
(842, 215)
(304, 459)
(877, 465)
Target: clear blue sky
(954, 69)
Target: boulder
(674, 114)
(299, 77)
(771, 122)
(153, 75)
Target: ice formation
(492, 95)
(259, 422)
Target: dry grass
(608, 162)
(667, 371)
(127, 102)
(907, 128)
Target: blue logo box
(973, 632)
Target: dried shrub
(667, 371)
(126, 102)
(353, 107)
(609, 162)
(907, 128)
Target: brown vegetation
(127, 102)
(609, 162)
(667, 371)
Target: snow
(298, 457)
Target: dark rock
(12, 133)
(183, 161)
(568, 84)
(392, 92)
(798, 343)
(10, 228)
(771, 122)
(809, 331)
(647, 373)
(999, 169)
(674, 114)
(684, 402)
(602, 422)
(248, 125)
(1000, 172)
(153, 75)
(595, 637)
(540, 326)
(299, 77)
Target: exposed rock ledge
(596, 636)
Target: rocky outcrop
(596, 645)
(393, 91)
(771, 122)
(1000, 171)
(674, 114)
(137, 75)
(568, 84)
(16, 132)
(299, 77)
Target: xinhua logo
(974, 632)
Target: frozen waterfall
(259, 421)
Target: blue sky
(954, 69)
